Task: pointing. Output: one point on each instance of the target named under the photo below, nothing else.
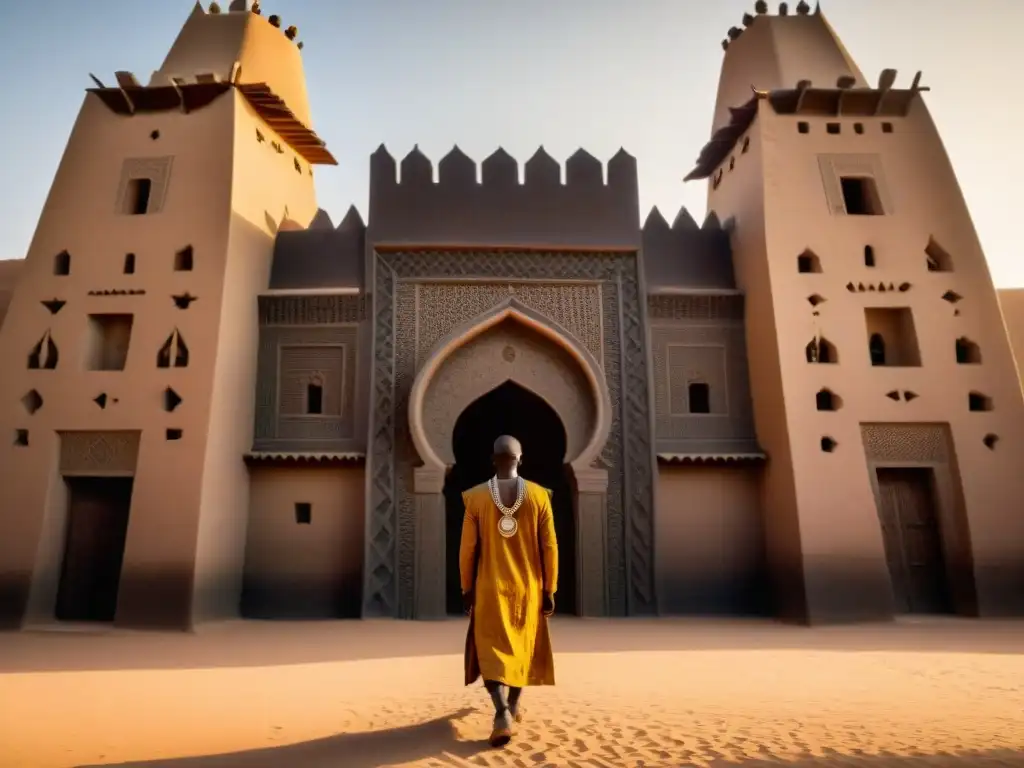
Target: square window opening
(137, 196)
(108, 339)
(860, 196)
(303, 513)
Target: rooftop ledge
(839, 101)
(130, 97)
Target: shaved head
(508, 447)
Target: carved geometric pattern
(156, 169)
(906, 442)
(627, 454)
(312, 310)
(695, 307)
(99, 453)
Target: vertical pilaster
(430, 564)
(592, 540)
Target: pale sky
(597, 74)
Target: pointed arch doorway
(511, 409)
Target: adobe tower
(880, 369)
(131, 337)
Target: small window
(698, 395)
(876, 348)
(183, 260)
(62, 264)
(803, 127)
(137, 195)
(303, 513)
(869, 256)
(858, 128)
(314, 398)
(860, 196)
(109, 339)
(886, 127)
(129, 263)
(833, 128)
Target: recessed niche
(860, 196)
(746, 145)
(903, 287)
(952, 297)
(298, 166)
(893, 395)
(908, 395)
(129, 263)
(886, 127)
(32, 401)
(154, 134)
(851, 287)
(821, 350)
(173, 353)
(183, 260)
(967, 352)
(828, 444)
(173, 434)
(892, 337)
(803, 127)
(698, 397)
(869, 256)
(44, 354)
(109, 339)
(990, 441)
(833, 128)
(260, 138)
(62, 263)
(978, 402)
(137, 196)
(54, 305)
(171, 400)
(815, 299)
(183, 300)
(21, 438)
(808, 263)
(101, 400)
(937, 258)
(827, 400)
(303, 513)
(858, 128)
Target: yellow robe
(508, 639)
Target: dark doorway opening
(912, 536)
(97, 525)
(510, 409)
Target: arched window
(698, 395)
(876, 348)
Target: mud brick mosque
(218, 402)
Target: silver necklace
(507, 525)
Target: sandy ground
(629, 693)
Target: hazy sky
(600, 74)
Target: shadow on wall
(437, 740)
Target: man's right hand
(467, 602)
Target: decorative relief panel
(575, 307)
(312, 310)
(716, 354)
(412, 310)
(288, 356)
(834, 167)
(156, 169)
(917, 443)
(99, 453)
(695, 307)
(696, 363)
(509, 351)
(299, 366)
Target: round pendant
(507, 526)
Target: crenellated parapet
(685, 255)
(321, 256)
(594, 206)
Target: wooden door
(94, 548)
(913, 540)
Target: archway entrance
(510, 409)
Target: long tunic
(508, 639)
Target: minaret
(883, 383)
(131, 336)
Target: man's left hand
(548, 605)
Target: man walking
(508, 563)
